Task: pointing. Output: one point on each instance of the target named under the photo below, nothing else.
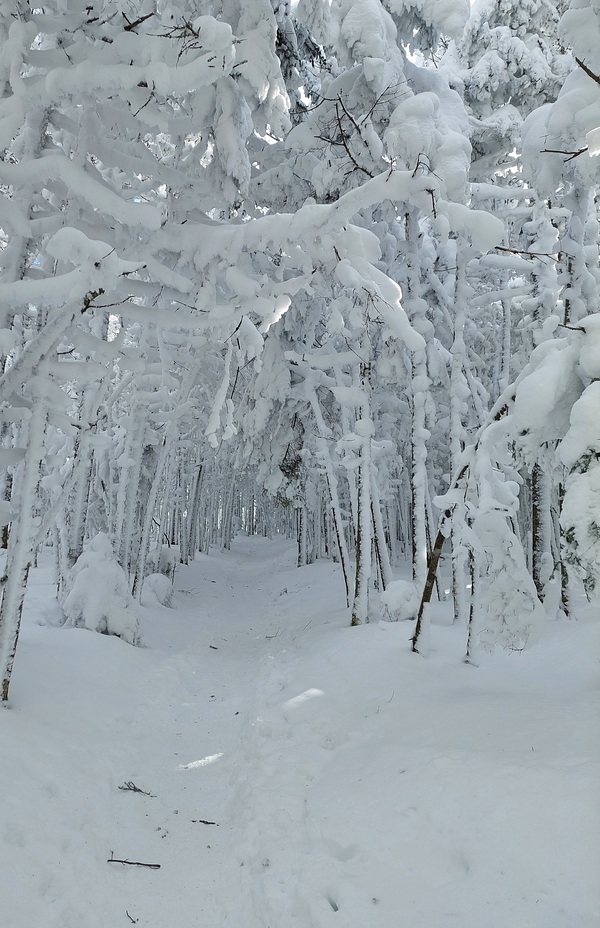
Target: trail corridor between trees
(258, 764)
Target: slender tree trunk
(20, 549)
(540, 529)
(416, 309)
(62, 560)
(459, 389)
(434, 559)
(128, 491)
(194, 513)
(381, 548)
(505, 335)
(302, 533)
(332, 486)
(470, 656)
(458, 577)
(7, 493)
(81, 498)
(360, 605)
(564, 572)
(150, 505)
(226, 525)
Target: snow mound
(157, 588)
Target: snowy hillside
(301, 772)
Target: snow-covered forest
(321, 274)
(329, 269)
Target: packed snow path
(302, 774)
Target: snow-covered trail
(202, 703)
(302, 774)
(178, 719)
(91, 715)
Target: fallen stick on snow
(130, 787)
(132, 863)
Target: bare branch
(584, 67)
(571, 154)
(89, 298)
(344, 140)
(138, 22)
(530, 254)
(433, 206)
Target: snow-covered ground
(302, 774)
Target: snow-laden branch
(80, 184)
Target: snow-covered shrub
(156, 588)
(164, 560)
(509, 612)
(99, 598)
(556, 405)
(580, 517)
(400, 601)
(505, 610)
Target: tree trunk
(360, 605)
(381, 548)
(540, 529)
(194, 513)
(20, 549)
(332, 486)
(470, 657)
(302, 533)
(434, 559)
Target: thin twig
(558, 151)
(532, 254)
(345, 142)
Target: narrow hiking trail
(301, 774)
(201, 715)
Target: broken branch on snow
(131, 863)
(130, 787)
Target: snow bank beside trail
(430, 794)
(302, 773)
(381, 789)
